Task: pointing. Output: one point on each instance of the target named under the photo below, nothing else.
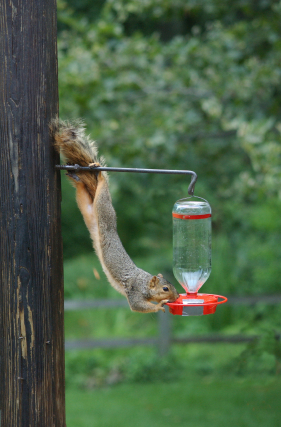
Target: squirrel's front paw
(159, 306)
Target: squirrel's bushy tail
(76, 147)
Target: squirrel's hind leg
(85, 204)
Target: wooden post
(31, 284)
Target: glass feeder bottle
(192, 243)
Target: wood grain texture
(31, 279)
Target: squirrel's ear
(160, 275)
(153, 282)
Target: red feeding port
(193, 304)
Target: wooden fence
(164, 339)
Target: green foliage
(180, 84)
(88, 369)
(260, 356)
(207, 98)
(143, 367)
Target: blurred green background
(178, 84)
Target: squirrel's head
(161, 289)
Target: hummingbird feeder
(192, 257)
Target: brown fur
(76, 147)
(94, 201)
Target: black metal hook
(134, 170)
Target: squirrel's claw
(161, 304)
(72, 175)
(94, 165)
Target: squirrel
(94, 201)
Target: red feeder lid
(195, 304)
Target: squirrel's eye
(165, 289)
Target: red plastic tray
(195, 304)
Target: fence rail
(164, 339)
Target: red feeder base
(195, 304)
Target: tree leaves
(182, 85)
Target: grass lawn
(194, 402)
